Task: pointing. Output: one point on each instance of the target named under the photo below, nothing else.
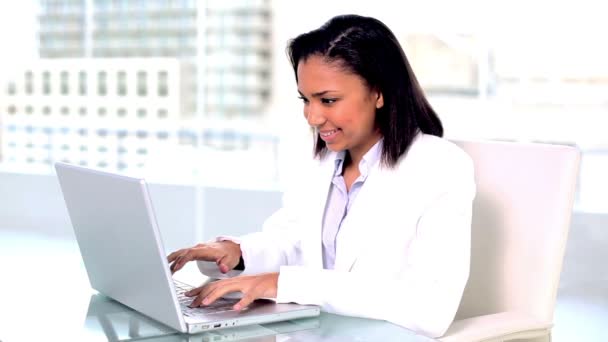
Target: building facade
(120, 82)
(224, 46)
(107, 113)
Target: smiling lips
(329, 135)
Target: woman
(380, 226)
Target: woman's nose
(314, 116)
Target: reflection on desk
(112, 321)
(49, 298)
(108, 319)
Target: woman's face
(339, 105)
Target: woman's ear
(379, 101)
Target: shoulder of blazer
(428, 155)
(434, 158)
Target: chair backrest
(521, 218)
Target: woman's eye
(305, 100)
(328, 101)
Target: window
(102, 83)
(46, 83)
(11, 88)
(142, 86)
(82, 83)
(162, 84)
(121, 86)
(65, 80)
(29, 82)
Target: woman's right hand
(226, 254)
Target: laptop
(123, 253)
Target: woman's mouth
(329, 135)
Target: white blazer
(402, 253)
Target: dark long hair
(367, 48)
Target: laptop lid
(119, 241)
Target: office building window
(142, 80)
(11, 88)
(82, 83)
(65, 80)
(121, 80)
(29, 82)
(102, 83)
(46, 83)
(163, 88)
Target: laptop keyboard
(220, 305)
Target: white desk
(45, 296)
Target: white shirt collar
(370, 158)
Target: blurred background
(186, 91)
(198, 97)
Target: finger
(225, 263)
(177, 264)
(194, 292)
(203, 292)
(221, 265)
(223, 268)
(245, 301)
(171, 257)
(220, 291)
(183, 259)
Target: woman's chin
(334, 147)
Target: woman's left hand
(252, 287)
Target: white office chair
(521, 218)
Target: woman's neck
(356, 155)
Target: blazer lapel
(358, 228)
